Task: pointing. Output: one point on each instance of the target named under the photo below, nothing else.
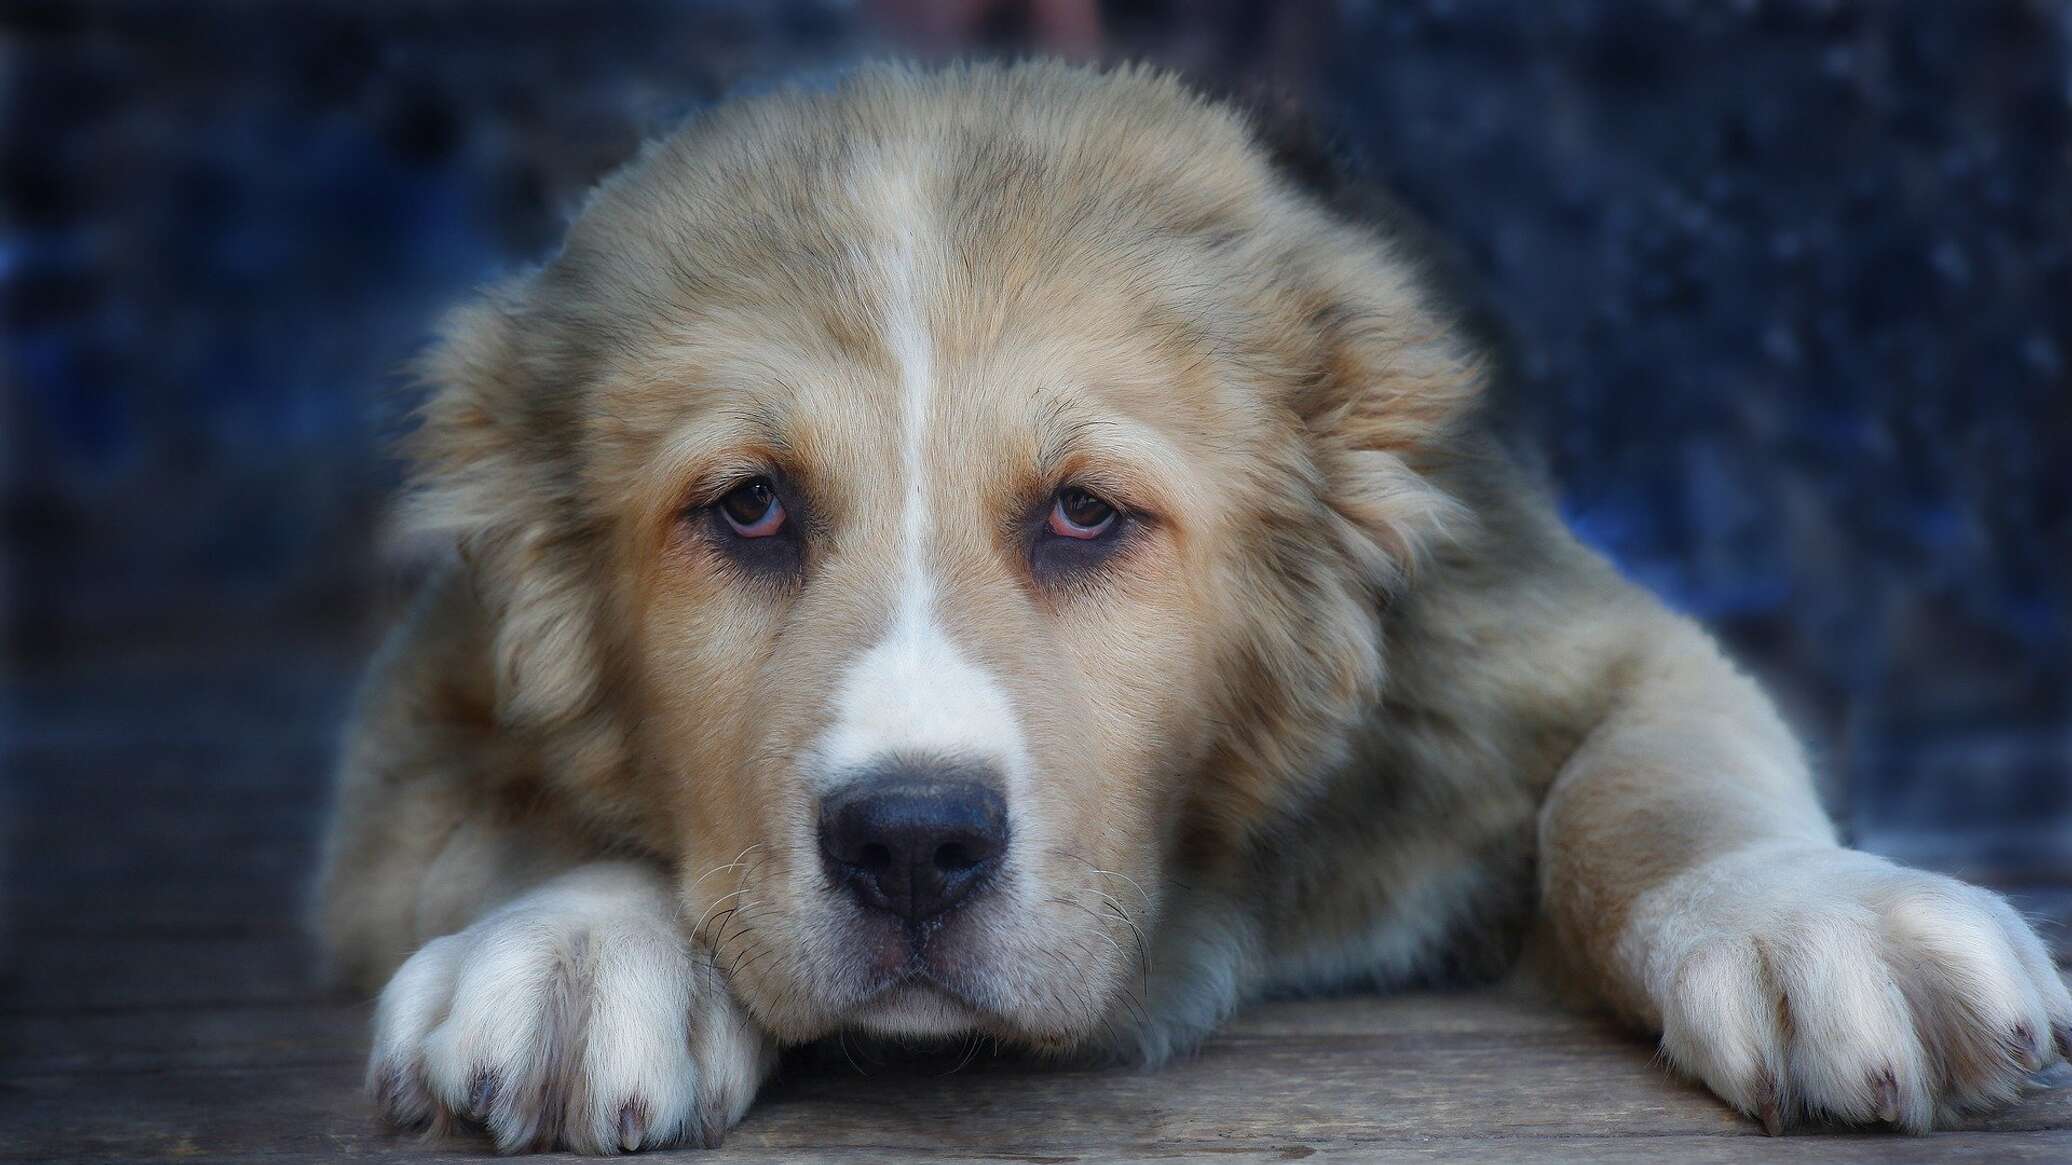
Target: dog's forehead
(973, 283)
(885, 304)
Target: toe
(481, 1094)
(1983, 1018)
(1720, 1025)
(1885, 1086)
(1849, 1028)
(2053, 1000)
(411, 1007)
(401, 1096)
(632, 1125)
(496, 1057)
(639, 1079)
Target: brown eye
(752, 509)
(1079, 514)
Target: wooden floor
(157, 823)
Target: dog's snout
(911, 842)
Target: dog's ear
(1383, 391)
(1391, 377)
(495, 465)
(1387, 402)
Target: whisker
(1143, 951)
(763, 951)
(791, 987)
(969, 1053)
(1141, 892)
(1100, 930)
(1081, 859)
(745, 928)
(719, 921)
(735, 864)
(842, 1040)
(715, 906)
(740, 936)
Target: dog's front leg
(1688, 871)
(576, 1015)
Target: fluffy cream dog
(984, 551)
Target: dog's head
(936, 510)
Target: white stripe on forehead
(913, 694)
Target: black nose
(912, 844)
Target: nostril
(912, 847)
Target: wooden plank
(290, 1113)
(1444, 1075)
(2047, 1149)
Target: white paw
(1829, 984)
(574, 1016)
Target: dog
(990, 551)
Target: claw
(482, 1093)
(1887, 1090)
(2064, 1040)
(1766, 1106)
(2022, 1042)
(632, 1125)
(399, 1097)
(711, 1131)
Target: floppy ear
(1381, 390)
(496, 466)
(1391, 379)
(1386, 406)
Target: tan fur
(1354, 709)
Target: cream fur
(1349, 707)
(574, 1014)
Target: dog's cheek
(1125, 727)
(1298, 659)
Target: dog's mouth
(919, 1006)
(899, 961)
(942, 977)
(986, 973)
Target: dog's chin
(916, 1010)
(943, 981)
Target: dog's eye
(1081, 532)
(1075, 513)
(752, 509)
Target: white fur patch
(1801, 981)
(914, 692)
(572, 1016)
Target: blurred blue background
(1787, 286)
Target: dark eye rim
(1065, 564)
(777, 556)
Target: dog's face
(934, 511)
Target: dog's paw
(1827, 984)
(575, 1016)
